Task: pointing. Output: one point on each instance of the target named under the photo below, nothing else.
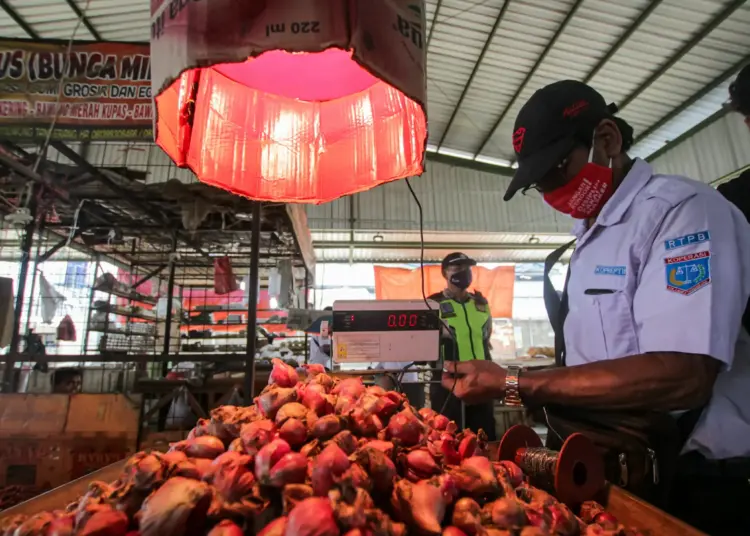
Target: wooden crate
(635, 512)
(49, 440)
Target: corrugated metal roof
(453, 199)
(660, 56)
(431, 255)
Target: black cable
(424, 295)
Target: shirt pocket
(615, 309)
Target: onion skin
(272, 399)
(231, 475)
(206, 446)
(312, 517)
(327, 427)
(511, 470)
(112, 523)
(290, 410)
(178, 508)
(453, 531)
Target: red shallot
(277, 527)
(405, 427)
(269, 456)
(178, 508)
(467, 515)
(200, 447)
(282, 374)
(294, 432)
(226, 528)
(273, 398)
(291, 410)
(312, 517)
(350, 387)
(329, 464)
(232, 475)
(290, 469)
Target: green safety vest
(470, 323)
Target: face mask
(461, 279)
(585, 195)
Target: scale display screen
(353, 321)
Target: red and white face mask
(585, 194)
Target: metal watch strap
(512, 392)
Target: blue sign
(687, 240)
(611, 270)
(688, 273)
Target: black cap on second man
(548, 127)
(457, 259)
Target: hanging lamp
(291, 100)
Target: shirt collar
(620, 202)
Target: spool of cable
(574, 475)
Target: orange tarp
(402, 284)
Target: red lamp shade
(291, 100)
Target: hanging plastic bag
(66, 331)
(224, 280)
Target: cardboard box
(49, 440)
(28, 415)
(111, 414)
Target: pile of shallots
(319, 457)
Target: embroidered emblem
(688, 273)
(611, 270)
(518, 136)
(446, 309)
(687, 240)
(575, 108)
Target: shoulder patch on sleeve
(687, 274)
(446, 309)
(687, 240)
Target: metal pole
(15, 341)
(170, 296)
(307, 306)
(91, 306)
(252, 306)
(33, 273)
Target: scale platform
(373, 331)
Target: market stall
(315, 455)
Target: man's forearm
(657, 381)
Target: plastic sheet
(304, 126)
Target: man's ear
(609, 138)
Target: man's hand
(476, 381)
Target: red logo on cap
(575, 108)
(518, 139)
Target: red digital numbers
(402, 320)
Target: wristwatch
(512, 392)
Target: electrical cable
(424, 295)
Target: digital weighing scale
(366, 331)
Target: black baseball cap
(457, 259)
(739, 92)
(549, 126)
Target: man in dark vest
(468, 316)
